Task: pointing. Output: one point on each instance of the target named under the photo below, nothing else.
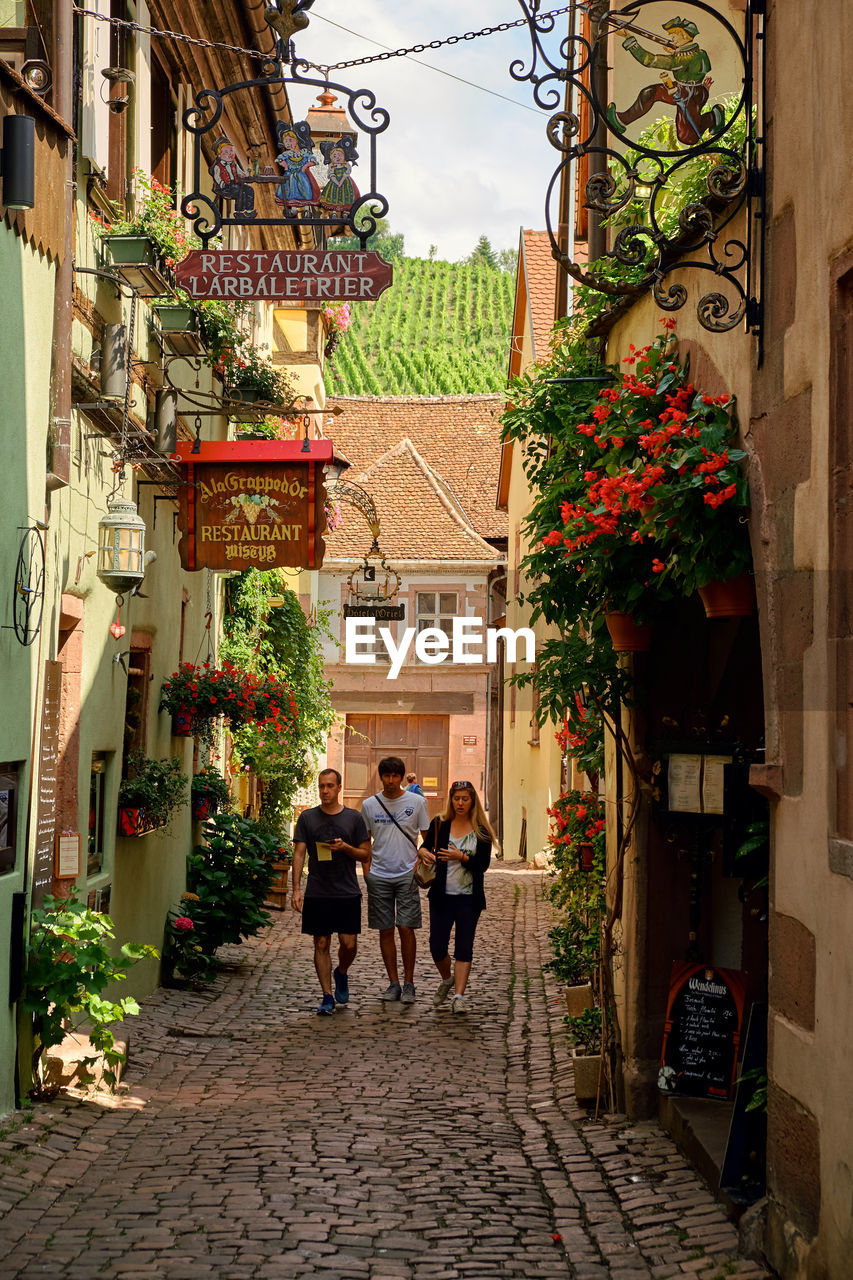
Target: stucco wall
(26, 287)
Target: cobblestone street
(253, 1139)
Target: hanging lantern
(328, 122)
(121, 546)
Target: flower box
(136, 822)
(202, 808)
(277, 893)
(578, 999)
(137, 261)
(178, 328)
(245, 395)
(589, 1075)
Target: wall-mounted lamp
(117, 75)
(121, 546)
(17, 162)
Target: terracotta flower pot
(182, 726)
(734, 598)
(587, 857)
(627, 635)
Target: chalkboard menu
(48, 763)
(704, 1016)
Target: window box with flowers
(143, 246)
(150, 794)
(210, 793)
(657, 508)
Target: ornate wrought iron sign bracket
(310, 177)
(668, 157)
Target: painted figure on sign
(340, 192)
(297, 189)
(685, 83)
(229, 180)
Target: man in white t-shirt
(394, 817)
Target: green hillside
(443, 328)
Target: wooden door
(420, 741)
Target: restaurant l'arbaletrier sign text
(253, 504)
(297, 275)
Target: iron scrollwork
(335, 201)
(666, 200)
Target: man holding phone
(335, 839)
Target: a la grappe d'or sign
(294, 275)
(253, 504)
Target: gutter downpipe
(59, 474)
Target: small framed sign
(67, 856)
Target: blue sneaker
(341, 986)
(327, 1005)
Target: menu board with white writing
(702, 1031)
(48, 762)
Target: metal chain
(325, 67)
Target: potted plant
(655, 506)
(210, 793)
(149, 795)
(281, 860)
(144, 245)
(195, 696)
(587, 1059)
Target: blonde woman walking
(459, 845)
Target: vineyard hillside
(443, 328)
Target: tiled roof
(457, 436)
(540, 272)
(420, 520)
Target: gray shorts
(393, 902)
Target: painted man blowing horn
(685, 83)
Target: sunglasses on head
(462, 786)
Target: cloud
(455, 162)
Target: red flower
(658, 566)
(183, 924)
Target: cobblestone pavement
(254, 1139)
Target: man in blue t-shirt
(335, 839)
(394, 817)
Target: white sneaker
(442, 993)
(460, 1005)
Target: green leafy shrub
(184, 956)
(231, 874)
(69, 965)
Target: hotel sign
(253, 505)
(285, 275)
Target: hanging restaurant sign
(656, 106)
(253, 504)
(297, 275)
(317, 172)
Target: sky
(455, 163)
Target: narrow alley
(253, 1139)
